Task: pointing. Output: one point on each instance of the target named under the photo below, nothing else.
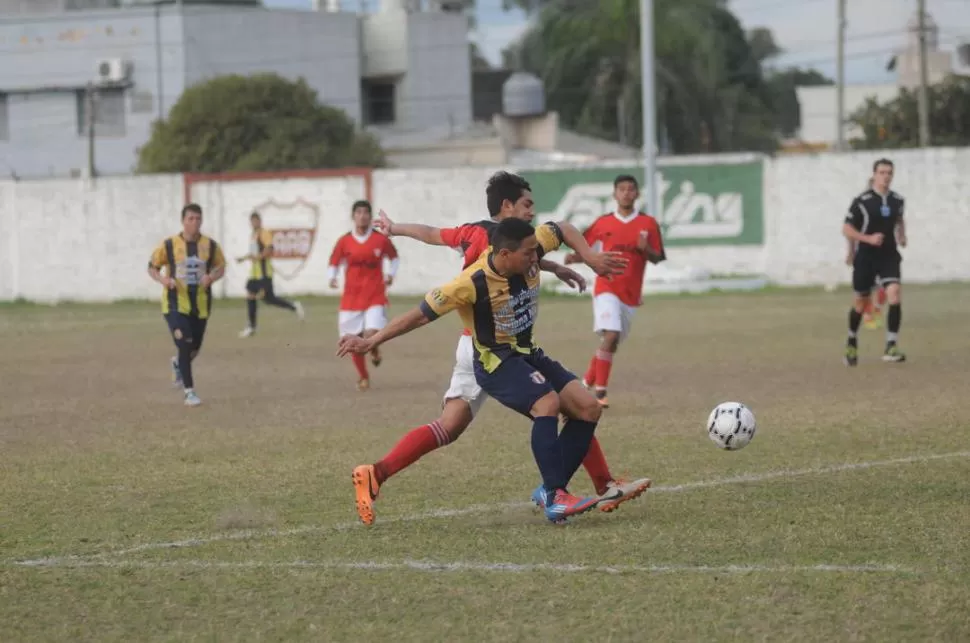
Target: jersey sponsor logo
(438, 297)
(519, 313)
(294, 227)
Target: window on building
(4, 119)
(109, 112)
(378, 98)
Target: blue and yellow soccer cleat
(176, 374)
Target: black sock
(855, 319)
(279, 302)
(547, 452)
(895, 318)
(893, 321)
(574, 441)
(251, 308)
(185, 365)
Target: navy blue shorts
(522, 380)
(186, 330)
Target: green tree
(261, 122)
(895, 124)
(711, 92)
(784, 99)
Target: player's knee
(589, 409)
(611, 340)
(547, 405)
(893, 292)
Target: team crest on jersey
(377, 252)
(294, 226)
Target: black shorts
(262, 288)
(186, 330)
(869, 271)
(522, 380)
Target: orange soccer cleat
(366, 489)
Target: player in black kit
(875, 225)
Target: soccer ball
(731, 425)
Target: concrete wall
(83, 240)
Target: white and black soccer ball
(731, 425)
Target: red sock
(596, 467)
(361, 365)
(409, 449)
(591, 372)
(604, 362)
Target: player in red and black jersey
(507, 195)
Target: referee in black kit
(874, 224)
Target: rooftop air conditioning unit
(112, 70)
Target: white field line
(253, 534)
(465, 566)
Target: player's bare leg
(602, 364)
(859, 305)
(894, 319)
(455, 417)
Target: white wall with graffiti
(728, 221)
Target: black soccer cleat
(851, 356)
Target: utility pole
(923, 97)
(649, 107)
(90, 104)
(840, 76)
(159, 72)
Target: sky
(805, 29)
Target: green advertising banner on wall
(710, 204)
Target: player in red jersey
(637, 237)
(363, 304)
(507, 195)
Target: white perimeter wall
(81, 240)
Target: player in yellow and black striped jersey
(498, 298)
(260, 282)
(187, 265)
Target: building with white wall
(397, 70)
(819, 106)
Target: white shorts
(611, 314)
(463, 383)
(355, 322)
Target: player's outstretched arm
(400, 325)
(566, 275)
(602, 263)
(417, 231)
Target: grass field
(126, 517)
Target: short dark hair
(501, 187)
(882, 161)
(256, 215)
(626, 178)
(510, 233)
(192, 207)
(363, 203)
